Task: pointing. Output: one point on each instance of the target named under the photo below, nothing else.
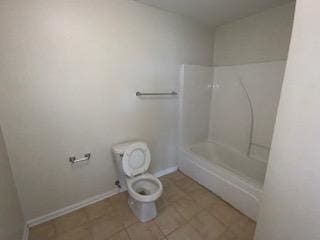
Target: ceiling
(214, 12)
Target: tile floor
(186, 211)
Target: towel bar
(173, 93)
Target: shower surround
(228, 111)
(227, 115)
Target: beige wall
(290, 207)
(257, 38)
(11, 220)
(69, 72)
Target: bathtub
(229, 174)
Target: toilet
(133, 161)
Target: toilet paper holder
(74, 160)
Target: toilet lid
(136, 159)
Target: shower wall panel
(234, 88)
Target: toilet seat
(136, 159)
(145, 188)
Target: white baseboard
(71, 208)
(166, 171)
(84, 203)
(25, 232)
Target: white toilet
(133, 161)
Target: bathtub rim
(236, 173)
(241, 194)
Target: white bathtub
(234, 177)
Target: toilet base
(144, 211)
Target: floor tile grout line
(173, 204)
(89, 222)
(115, 233)
(187, 221)
(128, 235)
(201, 209)
(68, 230)
(159, 227)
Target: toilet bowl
(133, 161)
(144, 188)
